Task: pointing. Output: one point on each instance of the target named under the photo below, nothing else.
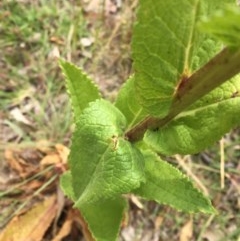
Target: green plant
(182, 98)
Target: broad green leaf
(224, 25)
(200, 126)
(103, 164)
(101, 215)
(80, 87)
(168, 47)
(128, 103)
(104, 218)
(225, 91)
(167, 185)
(66, 185)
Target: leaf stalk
(218, 70)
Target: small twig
(217, 71)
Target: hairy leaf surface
(129, 105)
(80, 87)
(202, 124)
(103, 164)
(167, 185)
(168, 47)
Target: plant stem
(218, 70)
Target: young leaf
(80, 87)
(224, 25)
(167, 185)
(200, 126)
(103, 164)
(168, 47)
(128, 104)
(104, 218)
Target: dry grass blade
(181, 162)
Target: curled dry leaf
(66, 227)
(22, 167)
(33, 224)
(44, 146)
(50, 159)
(63, 152)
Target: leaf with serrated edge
(202, 124)
(128, 104)
(104, 218)
(167, 185)
(100, 215)
(102, 163)
(80, 87)
(167, 46)
(224, 25)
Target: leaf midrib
(93, 174)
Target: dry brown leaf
(33, 224)
(50, 160)
(33, 185)
(57, 40)
(187, 231)
(44, 146)
(18, 164)
(158, 222)
(12, 161)
(66, 227)
(63, 152)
